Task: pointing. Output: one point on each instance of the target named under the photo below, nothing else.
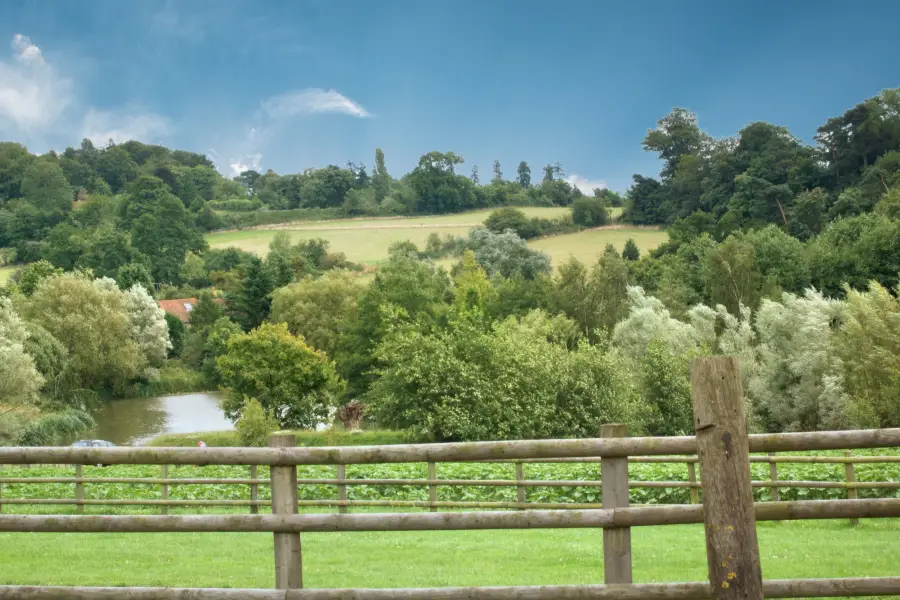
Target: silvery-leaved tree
(799, 385)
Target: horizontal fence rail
(776, 588)
(636, 516)
(455, 452)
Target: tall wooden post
(79, 489)
(288, 566)
(520, 489)
(773, 475)
(692, 479)
(254, 490)
(616, 541)
(850, 473)
(732, 550)
(341, 487)
(432, 489)
(164, 489)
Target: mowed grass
(367, 240)
(6, 273)
(421, 559)
(587, 246)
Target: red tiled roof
(182, 307)
(179, 307)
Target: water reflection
(136, 420)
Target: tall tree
(523, 175)
(381, 181)
(498, 174)
(474, 175)
(44, 185)
(250, 304)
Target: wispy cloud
(312, 101)
(121, 126)
(32, 94)
(584, 184)
(170, 21)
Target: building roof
(180, 307)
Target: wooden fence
(433, 484)
(721, 447)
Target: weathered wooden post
(850, 473)
(79, 489)
(520, 489)
(254, 490)
(288, 565)
(732, 550)
(773, 475)
(616, 541)
(164, 489)
(342, 488)
(692, 479)
(432, 489)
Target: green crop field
(587, 246)
(420, 559)
(367, 240)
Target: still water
(136, 420)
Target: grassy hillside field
(450, 558)
(367, 240)
(5, 273)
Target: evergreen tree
(252, 301)
(523, 175)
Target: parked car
(93, 444)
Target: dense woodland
(781, 253)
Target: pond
(137, 420)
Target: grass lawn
(5, 273)
(587, 246)
(422, 559)
(366, 240)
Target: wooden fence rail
(728, 510)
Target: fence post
(432, 489)
(288, 565)
(520, 489)
(732, 549)
(79, 489)
(164, 489)
(616, 541)
(342, 489)
(773, 475)
(850, 473)
(254, 490)
(692, 478)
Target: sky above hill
(293, 84)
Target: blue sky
(296, 84)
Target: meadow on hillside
(367, 240)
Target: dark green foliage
(135, 273)
(630, 251)
(514, 219)
(250, 304)
(58, 428)
(176, 335)
(590, 212)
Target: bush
(630, 251)
(236, 205)
(590, 212)
(239, 220)
(514, 219)
(255, 424)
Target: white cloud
(32, 94)
(584, 184)
(102, 126)
(248, 162)
(312, 101)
